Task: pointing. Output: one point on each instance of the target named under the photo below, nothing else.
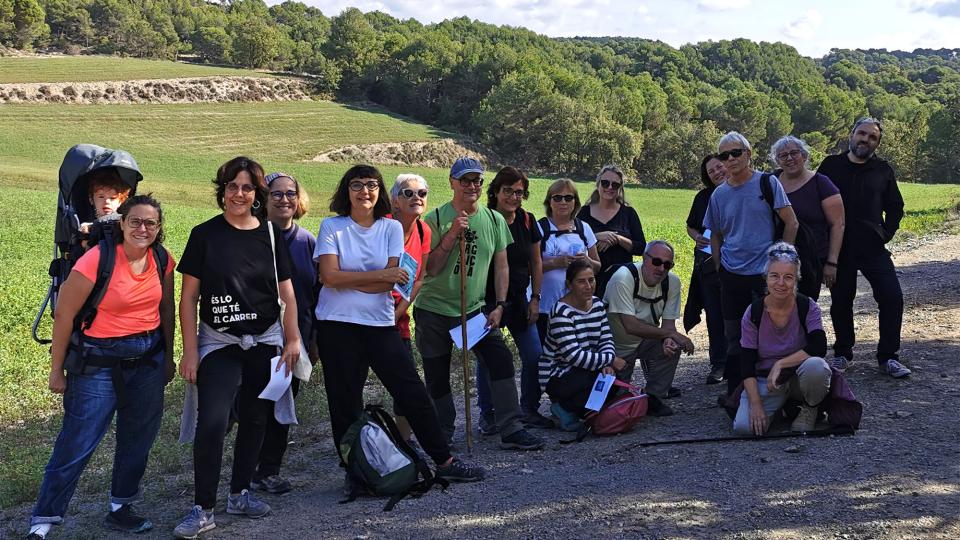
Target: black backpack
(803, 307)
(804, 242)
(604, 278)
(548, 231)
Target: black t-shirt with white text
(238, 293)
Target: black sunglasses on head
(723, 156)
(657, 261)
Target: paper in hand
(598, 395)
(279, 381)
(476, 330)
(409, 264)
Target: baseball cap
(465, 165)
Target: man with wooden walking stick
(443, 305)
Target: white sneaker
(806, 420)
(895, 369)
(196, 522)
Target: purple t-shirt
(807, 204)
(774, 343)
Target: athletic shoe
(126, 520)
(521, 440)
(537, 420)
(806, 420)
(895, 369)
(197, 521)
(567, 420)
(840, 363)
(487, 425)
(655, 407)
(245, 504)
(674, 392)
(33, 536)
(458, 471)
(275, 484)
(716, 375)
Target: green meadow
(179, 148)
(41, 69)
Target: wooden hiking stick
(464, 353)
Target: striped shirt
(576, 339)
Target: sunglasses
(372, 185)
(151, 224)
(515, 193)
(562, 198)
(279, 195)
(245, 188)
(723, 156)
(409, 193)
(607, 184)
(657, 261)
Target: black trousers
(224, 376)
(348, 352)
(736, 294)
(878, 268)
(573, 389)
(275, 439)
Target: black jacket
(871, 200)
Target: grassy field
(179, 148)
(36, 69)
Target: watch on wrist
(536, 296)
(502, 304)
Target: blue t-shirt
(743, 217)
(301, 244)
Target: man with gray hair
(874, 208)
(643, 303)
(741, 228)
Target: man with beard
(873, 207)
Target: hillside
(50, 69)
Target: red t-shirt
(416, 248)
(131, 304)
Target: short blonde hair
(558, 185)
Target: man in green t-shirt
(644, 324)
(437, 307)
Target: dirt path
(897, 478)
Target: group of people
(260, 293)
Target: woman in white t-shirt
(565, 239)
(358, 252)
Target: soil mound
(189, 90)
(439, 153)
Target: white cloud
(722, 5)
(945, 8)
(805, 27)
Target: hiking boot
(537, 420)
(521, 440)
(655, 407)
(567, 420)
(245, 504)
(487, 425)
(895, 369)
(197, 521)
(716, 375)
(674, 392)
(806, 420)
(458, 471)
(840, 363)
(275, 484)
(125, 519)
(34, 536)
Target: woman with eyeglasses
(287, 203)
(130, 337)
(616, 224)
(565, 239)
(816, 202)
(782, 356)
(234, 267)
(408, 198)
(358, 252)
(704, 289)
(505, 194)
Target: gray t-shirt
(744, 219)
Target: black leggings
(224, 376)
(348, 352)
(573, 389)
(275, 441)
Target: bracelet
(828, 263)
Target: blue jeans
(88, 406)
(528, 345)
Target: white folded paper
(476, 330)
(279, 381)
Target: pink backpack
(622, 414)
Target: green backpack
(379, 461)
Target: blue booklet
(409, 264)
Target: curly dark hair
(340, 201)
(138, 200)
(506, 176)
(229, 171)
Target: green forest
(561, 106)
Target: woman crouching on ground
(579, 345)
(120, 362)
(234, 266)
(783, 356)
(358, 252)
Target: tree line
(552, 105)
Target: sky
(813, 27)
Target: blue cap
(465, 165)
